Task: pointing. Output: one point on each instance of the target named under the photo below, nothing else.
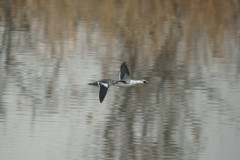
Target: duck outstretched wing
(103, 90)
(124, 74)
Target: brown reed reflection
(137, 23)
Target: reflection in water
(188, 51)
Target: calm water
(51, 50)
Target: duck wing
(124, 73)
(103, 90)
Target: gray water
(189, 110)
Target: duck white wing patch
(105, 85)
(100, 84)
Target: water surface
(188, 51)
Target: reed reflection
(188, 51)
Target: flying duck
(124, 81)
(125, 77)
(104, 84)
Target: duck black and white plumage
(125, 77)
(104, 84)
(124, 81)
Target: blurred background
(188, 50)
